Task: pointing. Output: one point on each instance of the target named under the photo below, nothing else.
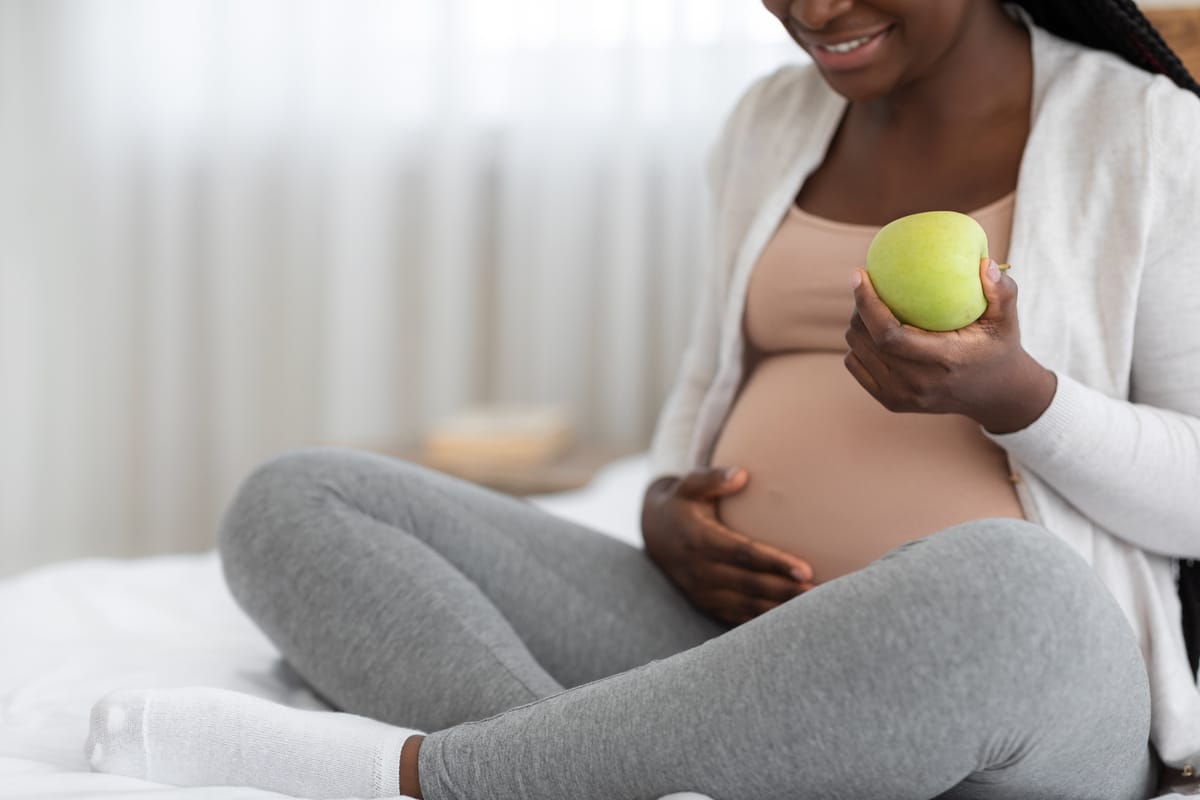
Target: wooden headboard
(1180, 26)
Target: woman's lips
(848, 53)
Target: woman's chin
(858, 90)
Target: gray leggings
(552, 662)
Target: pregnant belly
(838, 479)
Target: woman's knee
(1007, 555)
(269, 506)
(284, 502)
(1034, 584)
(1008, 576)
(1025, 604)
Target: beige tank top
(834, 476)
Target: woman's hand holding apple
(723, 573)
(980, 371)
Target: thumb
(999, 289)
(712, 483)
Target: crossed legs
(549, 661)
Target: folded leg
(418, 599)
(985, 661)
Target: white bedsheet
(70, 632)
(73, 631)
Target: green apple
(925, 268)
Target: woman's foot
(213, 737)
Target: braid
(1117, 26)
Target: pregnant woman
(879, 562)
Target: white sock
(213, 737)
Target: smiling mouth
(846, 47)
(852, 45)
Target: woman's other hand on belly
(722, 572)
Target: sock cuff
(387, 764)
(147, 699)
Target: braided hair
(1117, 26)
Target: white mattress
(70, 632)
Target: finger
(863, 375)
(737, 608)
(862, 345)
(890, 335)
(730, 547)
(752, 583)
(1000, 290)
(707, 484)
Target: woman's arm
(1133, 465)
(1133, 468)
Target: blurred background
(233, 227)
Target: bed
(72, 631)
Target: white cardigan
(1106, 250)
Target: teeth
(846, 47)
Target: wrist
(1028, 394)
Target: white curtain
(231, 227)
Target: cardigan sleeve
(670, 449)
(1133, 466)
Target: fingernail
(993, 271)
(855, 279)
(730, 473)
(801, 575)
